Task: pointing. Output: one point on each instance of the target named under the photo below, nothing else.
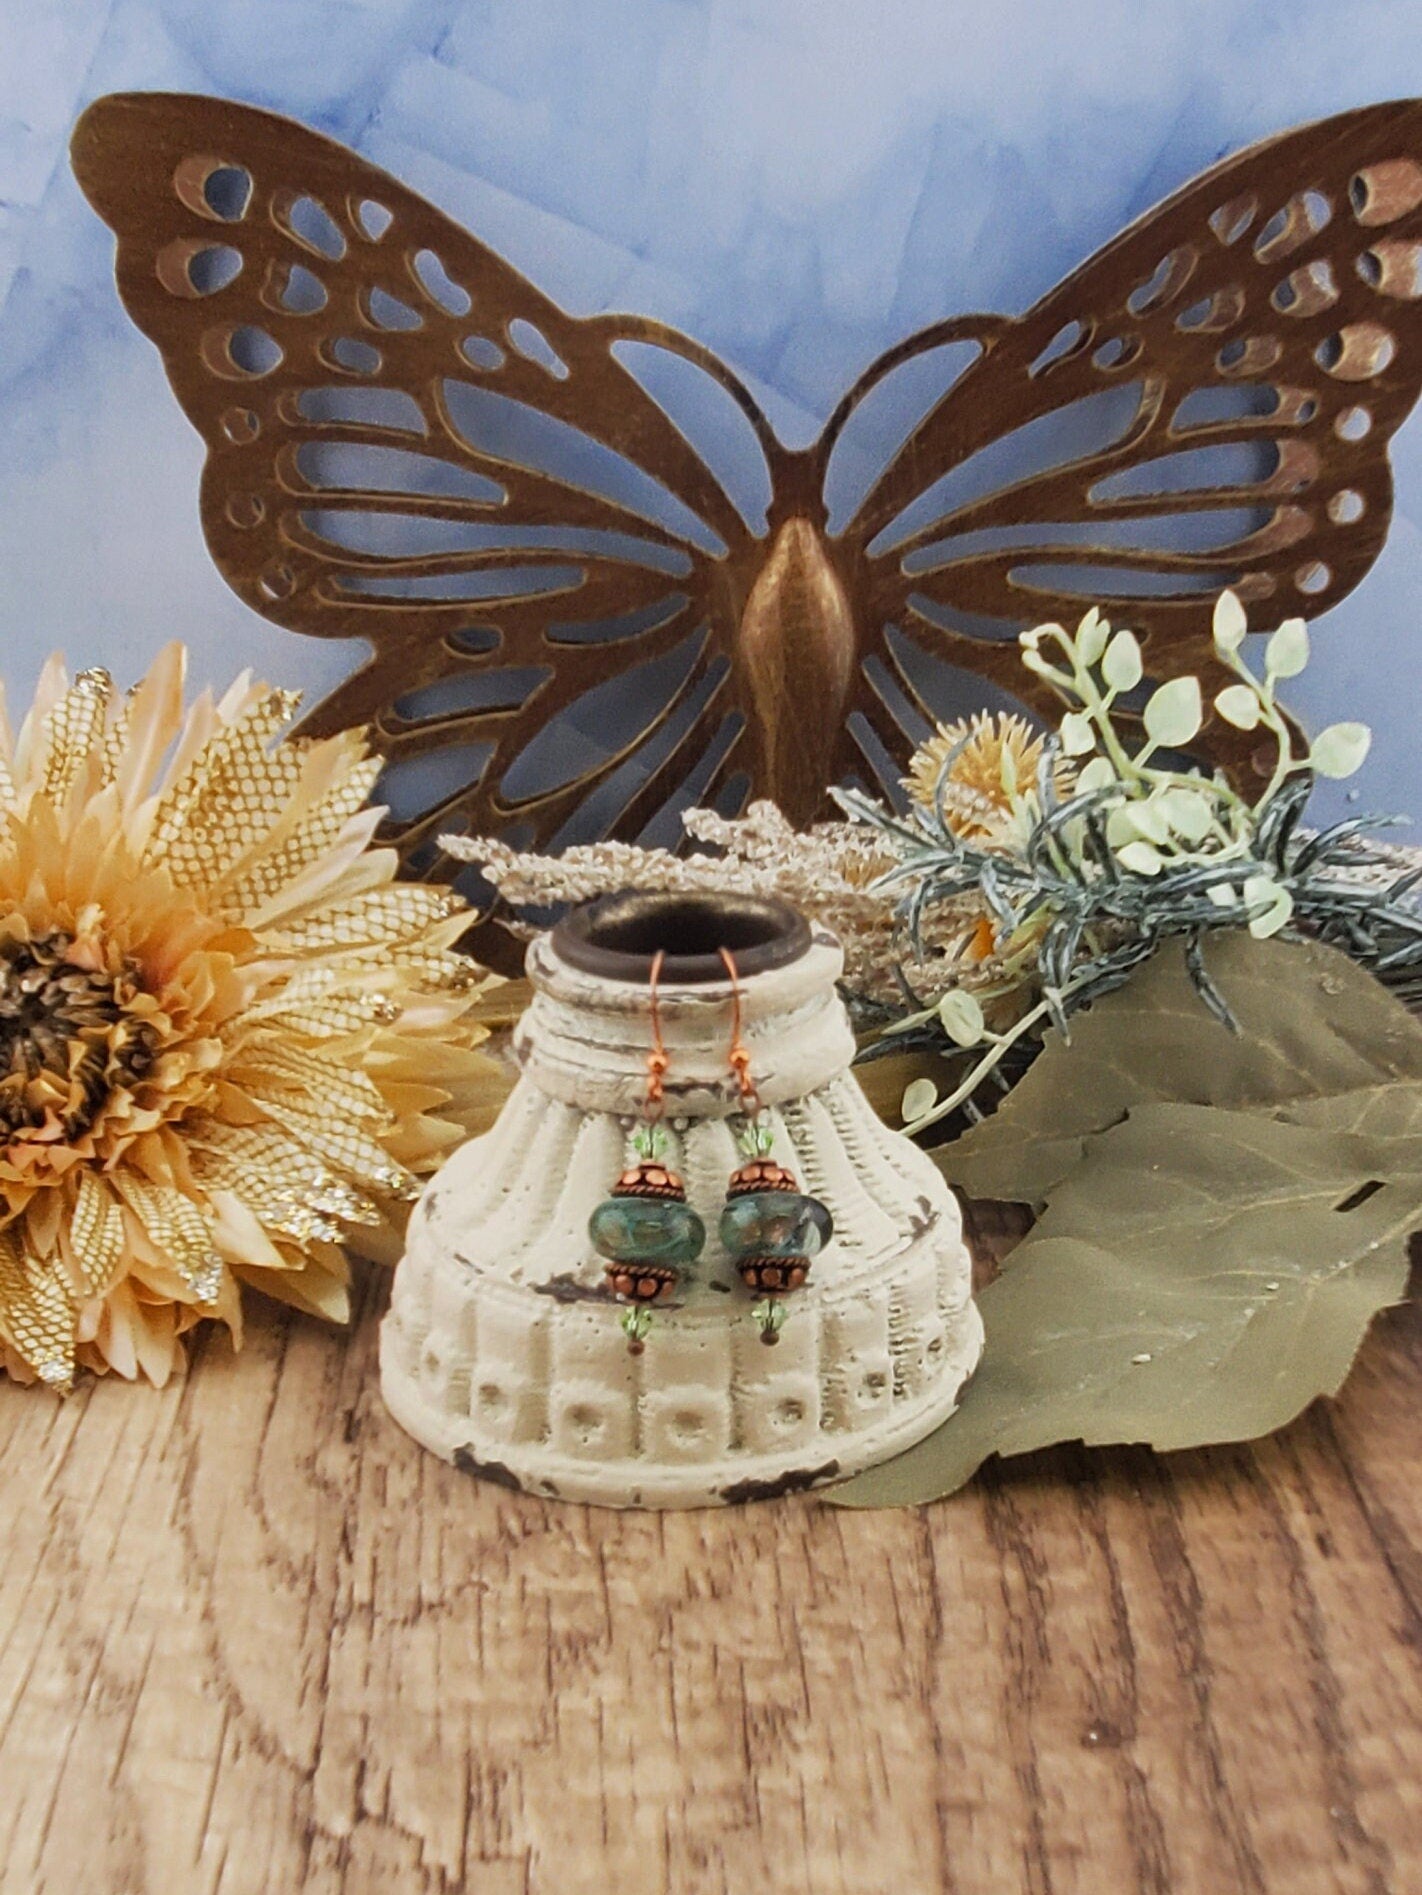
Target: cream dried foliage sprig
(829, 872)
(226, 1031)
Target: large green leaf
(1201, 1277)
(1392, 1111)
(1312, 1025)
(1225, 1213)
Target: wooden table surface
(253, 1639)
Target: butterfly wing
(408, 443)
(1206, 402)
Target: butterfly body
(570, 618)
(796, 652)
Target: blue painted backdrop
(797, 182)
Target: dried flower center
(67, 1039)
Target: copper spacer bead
(640, 1282)
(774, 1273)
(650, 1179)
(761, 1174)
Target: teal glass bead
(646, 1230)
(775, 1224)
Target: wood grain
(253, 1639)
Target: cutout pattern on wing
(407, 443)
(579, 622)
(1205, 402)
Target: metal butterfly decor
(408, 443)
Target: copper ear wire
(658, 1060)
(739, 1058)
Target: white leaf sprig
(1140, 846)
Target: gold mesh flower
(996, 751)
(225, 1030)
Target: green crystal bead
(646, 1230)
(775, 1224)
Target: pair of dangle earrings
(649, 1236)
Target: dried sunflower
(225, 1030)
(970, 770)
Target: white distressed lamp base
(503, 1350)
(532, 1384)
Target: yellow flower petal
(144, 729)
(376, 918)
(283, 1181)
(177, 1230)
(72, 729)
(316, 1290)
(273, 1068)
(237, 1232)
(36, 1314)
(95, 1234)
(228, 800)
(314, 834)
(350, 1150)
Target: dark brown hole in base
(617, 936)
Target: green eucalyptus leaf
(1091, 636)
(1076, 734)
(1230, 624)
(1121, 665)
(960, 1014)
(885, 1080)
(1237, 704)
(1272, 905)
(1286, 653)
(1202, 1277)
(1188, 813)
(1097, 774)
(1173, 712)
(1153, 817)
(1143, 819)
(1312, 1024)
(1340, 750)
